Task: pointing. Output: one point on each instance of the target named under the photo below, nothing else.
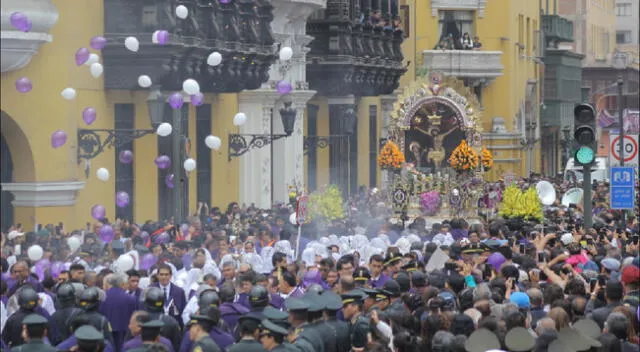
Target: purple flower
(430, 202)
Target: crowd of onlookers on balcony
(452, 42)
(378, 19)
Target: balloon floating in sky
(160, 37)
(69, 93)
(20, 21)
(102, 174)
(23, 85)
(144, 81)
(197, 99)
(132, 44)
(214, 59)
(213, 142)
(98, 212)
(240, 119)
(283, 87)
(96, 69)
(89, 115)
(106, 233)
(122, 199)
(125, 156)
(191, 86)
(286, 53)
(58, 139)
(182, 12)
(164, 129)
(168, 180)
(93, 58)
(176, 100)
(98, 42)
(82, 55)
(189, 165)
(163, 162)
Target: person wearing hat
(89, 339)
(317, 326)
(519, 339)
(149, 335)
(303, 336)
(199, 328)
(220, 337)
(230, 311)
(630, 278)
(361, 277)
(332, 304)
(249, 331)
(65, 309)
(136, 323)
(89, 302)
(373, 312)
(392, 263)
(35, 330)
(75, 323)
(27, 301)
(358, 323)
(153, 305)
(272, 336)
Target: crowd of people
(241, 279)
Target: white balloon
(154, 37)
(240, 119)
(189, 165)
(35, 252)
(286, 53)
(69, 93)
(213, 142)
(124, 263)
(96, 69)
(102, 174)
(164, 129)
(191, 86)
(293, 219)
(214, 59)
(74, 243)
(182, 12)
(132, 44)
(144, 81)
(93, 58)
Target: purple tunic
(71, 341)
(379, 283)
(230, 312)
(137, 342)
(221, 338)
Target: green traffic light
(585, 155)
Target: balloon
(125, 157)
(189, 165)
(168, 180)
(176, 100)
(98, 42)
(35, 252)
(132, 44)
(164, 129)
(69, 93)
(102, 174)
(286, 53)
(144, 81)
(214, 59)
(20, 21)
(106, 233)
(23, 85)
(74, 243)
(496, 260)
(148, 260)
(122, 199)
(98, 212)
(293, 219)
(163, 162)
(190, 86)
(82, 55)
(93, 58)
(213, 142)
(89, 115)
(225, 1)
(182, 11)
(240, 119)
(162, 238)
(197, 99)
(57, 267)
(160, 37)
(58, 139)
(96, 69)
(124, 263)
(144, 235)
(284, 87)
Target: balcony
(473, 65)
(240, 31)
(557, 29)
(19, 47)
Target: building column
(342, 159)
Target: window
(405, 15)
(124, 116)
(455, 23)
(623, 37)
(623, 9)
(203, 154)
(312, 160)
(373, 145)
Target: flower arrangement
(487, 159)
(464, 158)
(293, 191)
(326, 202)
(390, 156)
(518, 204)
(430, 202)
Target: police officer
(249, 330)
(358, 324)
(221, 338)
(272, 336)
(199, 328)
(35, 330)
(258, 298)
(302, 338)
(281, 319)
(332, 304)
(154, 305)
(361, 277)
(210, 299)
(229, 310)
(318, 327)
(65, 309)
(89, 339)
(150, 335)
(89, 302)
(76, 322)
(27, 301)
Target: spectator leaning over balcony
(466, 42)
(476, 43)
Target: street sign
(301, 210)
(622, 187)
(630, 149)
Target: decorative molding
(501, 136)
(508, 160)
(43, 194)
(476, 65)
(473, 5)
(344, 100)
(504, 147)
(264, 97)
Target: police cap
(270, 328)
(87, 333)
(519, 339)
(34, 319)
(361, 274)
(482, 340)
(331, 301)
(354, 296)
(296, 304)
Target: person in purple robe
(118, 307)
(21, 276)
(220, 337)
(230, 311)
(136, 327)
(289, 286)
(75, 323)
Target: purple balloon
(163, 162)
(58, 139)
(496, 260)
(125, 156)
(168, 180)
(144, 235)
(225, 1)
(106, 233)
(122, 199)
(56, 269)
(176, 100)
(82, 55)
(89, 115)
(162, 238)
(20, 21)
(23, 85)
(163, 37)
(284, 87)
(98, 42)
(98, 212)
(147, 261)
(197, 99)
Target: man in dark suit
(613, 293)
(175, 298)
(132, 285)
(118, 307)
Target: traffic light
(584, 134)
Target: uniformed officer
(332, 304)
(230, 311)
(89, 302)
(35, 329)
(318, 327)
(65, 309)
(221, 338)
(258, 298)
(361, 277)
(301, 338)
(249, 330)
(199, 328)
(150, 335)
(76, 322)
(272, 336)
(89, 339)
(358, 324)
(154, 305)
(209, 299)
(27, 301)
(281, 319)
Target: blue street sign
(622, 187)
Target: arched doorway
(6, 176)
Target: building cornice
(43, 194)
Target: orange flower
(390, 156)
(464, 157)
(487, 158)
